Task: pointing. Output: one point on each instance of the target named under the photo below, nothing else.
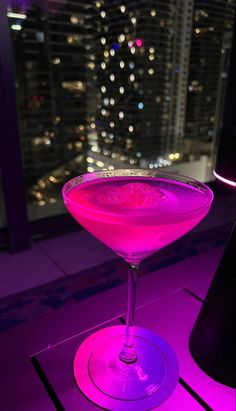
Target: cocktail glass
(135, 213)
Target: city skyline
(109, 83)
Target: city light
(56, 60)
(19, 16)
(121, 38)
(16, 27)
(131, 128)
(74, 19)
(139, 42)
(109, 82)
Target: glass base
(114, 385)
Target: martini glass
(135, 213)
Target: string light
(103, 14)
(112, 77)
(103, 40)
(103, 65)
(106, 101)
(131, 66)
(121, 90)
(153, 13)
(103, 111)
(112, 124)
(151, 57)
(122, 64)
(112, 101)
(133, 20)
(103, 89)
(112, 52)
(106, 53)
(140, 105)
(151, 71)
(132, 50)
(132, 77)
(151, 50)
(121, 115)
(122, 8)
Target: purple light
(21, 6)
(18, 5)
(139, 42)
(225, 180)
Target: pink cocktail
(135, 213)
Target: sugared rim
(139, 172)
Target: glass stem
(128, 353)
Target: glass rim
(138, 172)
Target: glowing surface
(104, 379)
(136, 216)
(225, 180)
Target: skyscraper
(51, 47)
(212, 21)
(142, 69)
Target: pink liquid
(136, 216)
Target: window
(116, 84)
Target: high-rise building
(53, 65)
(142, 69)
(212, 21)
